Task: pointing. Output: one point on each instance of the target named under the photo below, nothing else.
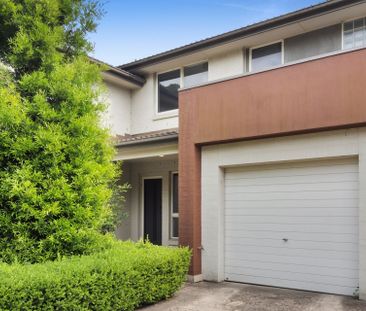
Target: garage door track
(240, 297)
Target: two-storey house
(250, 147)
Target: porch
(151, 205)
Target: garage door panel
(293, 212)
(312, 204)
(286, 228)
(299, 236)
(308, 261)
(293, 276)
(308, 203)
(306, 269)
(287, 175)
(308, 245)
(316, 220)
(232, 250)
(302, 187)
(291, 195)
(289, 180)
(321, 287)
(296, 168)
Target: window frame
(351, 20)
(173, 112)
(171, 214)
(192, 65)
(282, 41)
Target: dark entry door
(152, 210)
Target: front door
(152, 210)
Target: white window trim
(174, 112)
(171, 214)
(142, 196)
(343, 35)
(264, 45)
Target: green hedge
(121, 278)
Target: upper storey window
(266, 56)
(170, 82)
(354, 33)
(168, 85)
(196, 74)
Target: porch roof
(147, 137)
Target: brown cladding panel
(323, 93)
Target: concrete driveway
(240, 297)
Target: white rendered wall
(332, 144)
(226, 65)
(124, 228)
(118, 114)
(144, 116)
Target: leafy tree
(55, 159)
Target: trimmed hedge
(121, 278)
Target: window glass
(168, 85)
(348, 39)
(195, 74)
(358, 33)
(354, 34)
(175, 227)
(175, 193)
(266, 57)
(348, 26)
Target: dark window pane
(348, 26)
(169, 83)
(195, 74)
(175, 227)
(267, 56)
(358, 23)
(175, 208)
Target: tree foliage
(55, 159)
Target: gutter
(120, 73)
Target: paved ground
(239, 297)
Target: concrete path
(239, 297)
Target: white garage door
(293, 225)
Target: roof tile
(142, 137)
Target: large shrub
(55, 159)
(121, 278)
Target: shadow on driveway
(240, 297)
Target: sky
(133, 29)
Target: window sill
(173, 242)
(163, 116)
